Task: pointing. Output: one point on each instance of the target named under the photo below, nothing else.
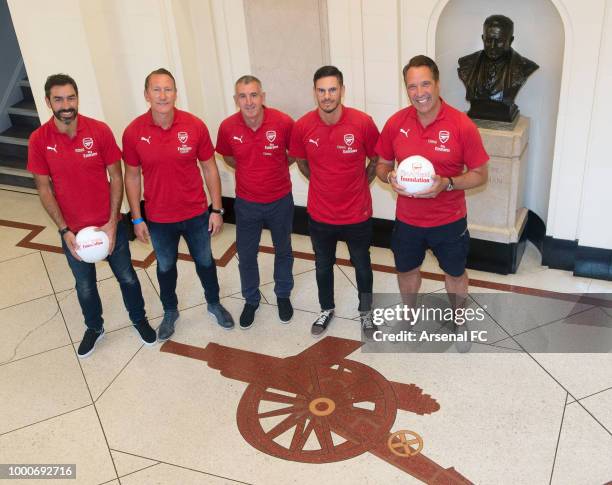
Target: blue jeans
(87, 290)
(250, 220)
(165, 237)
(358, 238)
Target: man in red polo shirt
(70, 157)
(435, 218)
(166, 144)
(330, 145)
(254, 141)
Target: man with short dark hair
(254, 141)
(70, 157)
(166, 144)
(331, 145)
(434, 218)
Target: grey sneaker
(463, 344)
(321, 323)
(367, 324)
(166, 328)
(224, 319)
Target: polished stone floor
(272, 405)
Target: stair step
(16, 171)
(17, 135)
(22, 112)
(12, 150)
(11, 140)
(25, 107)
(26, 92)
(19, 188)
(24, 121)
(24, 116)
(13, 162)
(16, 177)
(17, 132)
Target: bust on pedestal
(492, 79)
(493, 76)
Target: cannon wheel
(347, 399)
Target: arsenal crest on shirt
(349, 139)
(443, 136)
(271, 135)
(182, 138)
(88, 143)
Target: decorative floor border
(35, 230)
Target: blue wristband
(137, 221)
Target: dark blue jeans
(358, 238)
(165, 237)
(250, 220)
(87, 290)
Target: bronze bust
(493, 76)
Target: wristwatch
(63, 231)
(218, 211)
(451, 184)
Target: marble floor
(272, 405)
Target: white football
(92, 245)
(414, 174)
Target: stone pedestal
(495, 211)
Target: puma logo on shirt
(147, 139)
(239, 138)
(53, 148)
(405, 132)
(314, 142)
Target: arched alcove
(539, 35)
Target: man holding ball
(70, 157)
(435, 217)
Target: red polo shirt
(338, 192)
(451, 142)
(77, 167)
(173, 188)
(262, 169)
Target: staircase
(14, 141)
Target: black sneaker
(247, 316)
(90, 339)
(147, 334)
(285, 309)
(321, 323)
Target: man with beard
(330, 145)
(70, 157)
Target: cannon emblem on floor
(327, 407)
